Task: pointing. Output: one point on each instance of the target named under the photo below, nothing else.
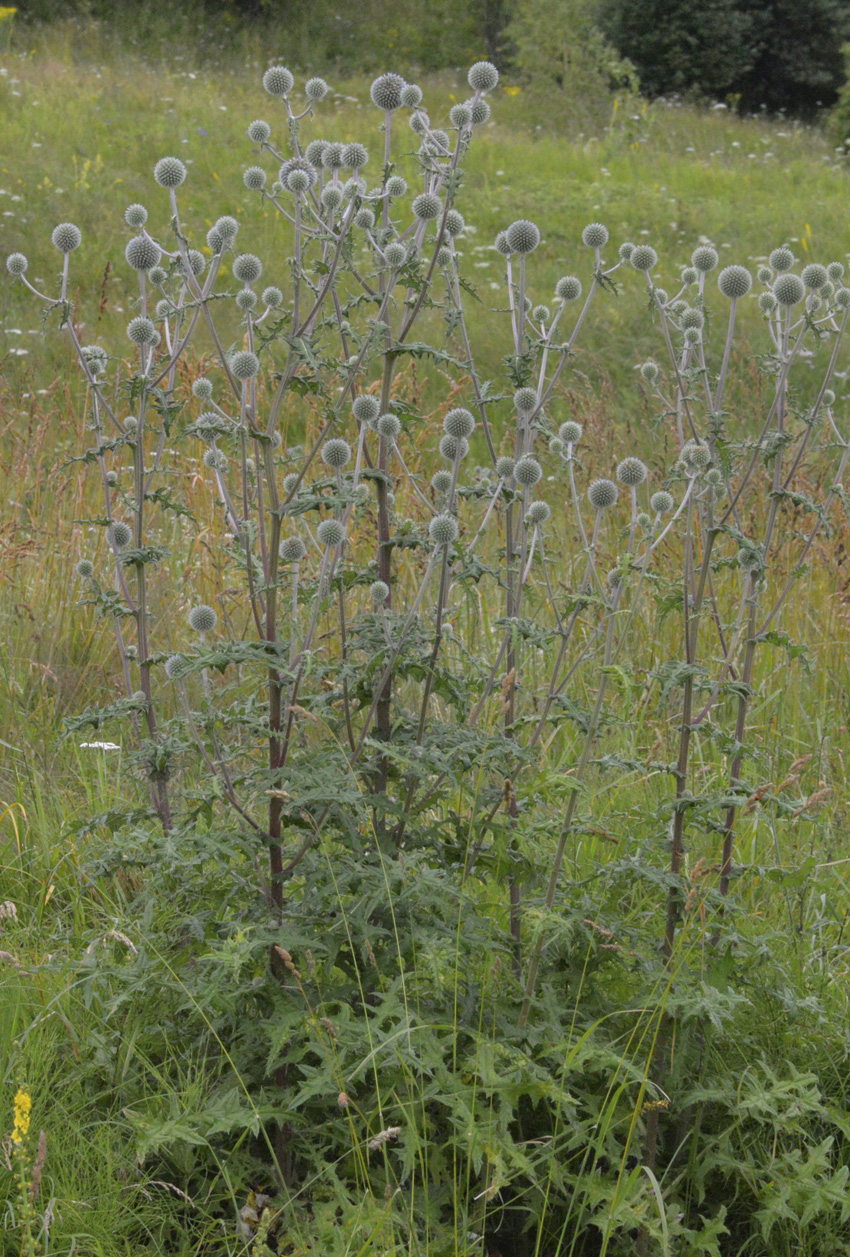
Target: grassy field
(90, 996)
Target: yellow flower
(6, 12)
(22, 1102)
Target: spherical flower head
(290, 480)
(459, 423)
(336, 452)
(85, 569)
(661, 502)
(505, 467)
(444, 257)
(692, 336)
(842, 298)
(441, 481)
(626, 250)
(528, 471)
(353, 187)
(215, 460)
(135, 215)
(696, 455)
(643, 257)
(379, 591)
(332, 156)
(734, 282)
(427, 206)
(631, 471)
(781, 259)
(386, 92)
(704, 258)
(330, 533)
(814, 276)
(272, 297)
(443, 530)
(278, 81)
(827, 290)
(453, 446)
(388, 426)
(316, 89)
(202, 619)
(483, 76)
(570, 432)
(164, 310)
(643, 520)
(537, 513)
(649, 371)
(227, 228)
(254, 178)
(142, 254)
(693, 318)
(690, 275)
(789, 289)
(660, 295)
(568, 288)
(460, 116)
(16, 263)
(120, 534)
(525, 400)
(768, 302)
(764, 274)
(411, 95)
(366, 408)
(292, 550)
(396, 186)
(176, 667)
(141, 331)
(332, 197)
(480, 110)
(595, 235)
(169, 172)
(364, 218)
(395, 255)
(835, 272)
(602, 494)
(66, 237)
(523, 236)
(203, 389)
(454, 223)
(112, 478)
(247, 268)
(244, 364)
(157, 275)
(355, 156)
(95, 357)
(437, 144)
(215, 241)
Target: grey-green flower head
(835, 271)
(278, 81)
(379, 591)
(444, 257)
(292, 550)
(120, 534)
(842, 298)
(704, 258)
(525, 400)
(505, 467)
(541, 314)
(112, 478)
(332, 197)
(135, 215)
(631, 471)
(395, 254)
(570, 432)
(366, 408)
(537, 513)
(215, 460)
(203, 389)
(176, 667)
(259, 131)
(480, 110)
(330, 533)
(690, 275)
(227, 227)
(364, 218)
(643, 257)
(202, 619)
(141, 331)
(66, 237)
(411, 95)
(626, 250)
(454, 223)
(692, 336)
(602, 494)
(734, 282)
(453, 446)
(443, 530)
(781, 259)
(85, 569)
(501, 244)
(568, 288)
(764, 274)
(418, 123)
(142, 254)
(355, 156)
(316, 89)
(768, 302)
(16, 263)
(336, 452)
(246, 300)
(814, 276)
(396, 186)
(696, 456)
(595, 235)
(459, 423)
(693, 318)
(386, 92)
(388, 426)
(254, 178)
(661, 502)
(332, 156)
(169, 172)
(460, 116)
(427, 206)
(714, 477)
(828, 397)
(649, 371)
(247, 268)
(789, 289)
(244, 364)
(483, 76)
(95, 357)
(437, 144)
(660, 295)
(272, 297)
(523, 236)
(441, 481)
(157, 276)
(528, 471)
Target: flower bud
(330, 533)
(169, 172)
(602, 494)
(202, 619)
(67, 237)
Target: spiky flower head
(227, 228)
(395, 255)
(842, 298)
(203, 389)
(366, 408)
(660, 295)
(460, 116)
(764, 274)
(537, 513)
(165, 308)
(215, 241)
(332, 155)
(176, 666)
(483, 76)
(649, 371)
(169, 172)
(523, 236)
(246, 299)
(768, 302)
(278, 81)
(441, 481)
(157, 275)
(525, 400)
(595, 235)
(141, 253)
(244, 364)
(714, 477)
(443, 530)
(568, 288)
(259, 131)
(692, 336)
(661, 502)
(292, 550)
(202, 619)
(505, 467)
(16, 263)
(135, 215)
(95, 357)
(788, 289)
(527, 471)
(215, 460)
(459, 423)
(693, 318)
(336, 452)
(396, 186)
(316, 89)
(418, 123)
(388, 426)
(570, 432)
(247, 268)
(427, 206)
(690, 275)
(814, 276)
(602, 494)
(141, 331)
(452, 447)
(355, 156)
(781, 259)
(696, 456)
(85, 568)
(437, 144)
(631, 471)
(454, 223)
(734, 282)
(364, 218)
(835, 271)
(332, 197)
(444, 257)
(314, 152)
(541, 314)
(330, 533)
(480, 110)
(704, 258)
(120, 534)
(501, 244)
(254, 178)
(386, 92)
(67, 237)
(643, 257)
(411, 95)
(290, 480)
(626, 250)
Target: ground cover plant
(469, 879)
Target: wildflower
(22, 1108)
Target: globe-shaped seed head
(67, 237)
(781, 259)
(227, 227)
(767, 302)
(396, 186)
(388, 426)
(828, 397)
(120, 534)
(332, 197)
(441, 481)
(649, 371)
(500, 244)
(541, 314)
(386, 92)
(459, 423)
(835, 271)
(841, 298)
(814, 276)
(696, 455)
(16, 263)
(595, 235)
(135, 215)
(316, 89)
(602, 494)
(364, 218)
(443, 530)
(704, 258)
(246, 299)
(215, 241)
(451, 446)
(692, 336)
(169, 172)
(112, 478)
(290, 480)
(254, 178)
(411, 95)
(141, 331)
(460, 116)
(714, 477)
(332, 156)
(523, 236)
(336, 452)
(366, 408)
(660, 295)
(568, 288)
(427, 206)
(175, 667)
(525, 400)
(527, 471)
(247, 268)
(734, 282)
(292, 550)
(395, 255)
(330, 533)
(85, 569)
(272, 297)
(693, 318)
(537, 513)
(278, 81)
(244, 364)
(661, 502)
(631, 471)
(157, 276)
(444, 257)
(570, 432)
(480, 110)
(355, 156)
(259, 131)
(215, 460)
(379, 591)
(95, 357)
(505, 467)
(690, 275)
(643, 257)
(141, 253)
(483, 76)
(764, 274)
(202, 619)
(626, 250)
(454, 223)
(788, 289)
(203, 389)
